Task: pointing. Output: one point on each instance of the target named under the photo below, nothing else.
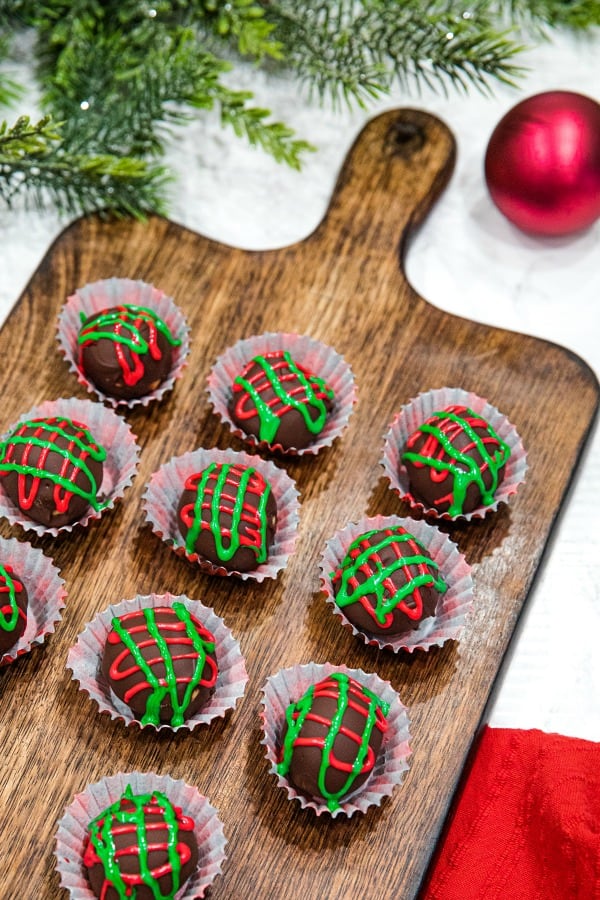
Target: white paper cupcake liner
(453, 607)
(100, 295)
(73, 829)
(119, 468)
(45, 590)
(288, 685)
(85, 656)
(165, 487)
(414, 413)
(320, 359)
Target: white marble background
(466, 259)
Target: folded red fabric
(527, 823)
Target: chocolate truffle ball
(141, 846)
(52, 470)
(126, 351)
(161, 662)
(13, 608)
(387, 583)
(455, 461)
(331, 739)
(277, 400)
(227, 515)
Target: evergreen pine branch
(10, 91)
(119, 73)
(460, 47)
(244, 21)
(348, 50)
(16, 13)
(139, 102)
(249, 122)
(534, 15)
(110, 102)
(326, 50)
(35, 165)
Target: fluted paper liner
(73, 829)
(165, 487)
(85, 656)
(320, 359)
(100, 295)
(414, 413)
(288, 685)
(119, 468)
(45, 590)
(453, 606)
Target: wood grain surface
(343, 285)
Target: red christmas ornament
(542, 164)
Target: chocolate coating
(13, 608)
(320, 748)
(129, 860)
(387, 583)
(277, 400)
(455, 461)
(52, 470)
(227, 514)
(126, 351)
(161, 663)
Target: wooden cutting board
(343, 285)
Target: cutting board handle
(395, 171)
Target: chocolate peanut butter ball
(279, 401)
(52, 470)
(161, 662)
(140, 846)
(126, 351)
(331, 739)
(455, 461)
(227, 515)
(387, 583)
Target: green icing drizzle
(127, 314)
(102, 840)
(270, 420)
(463, 477)
(351, 591)
(8, 622)
(226, 552)
(162, 688)
(296, 715)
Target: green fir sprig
(542, 15)
(34, 163)
(357, 51)
(243, 21)
(10, 91)
(120, 74)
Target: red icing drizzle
(130, 817)
(6, 608)
(359, 703)
(275, 371)
(79, 448)
(125, 324)
(179, 636)
(228, 503)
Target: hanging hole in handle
(405, 138)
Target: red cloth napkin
(527, 822)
